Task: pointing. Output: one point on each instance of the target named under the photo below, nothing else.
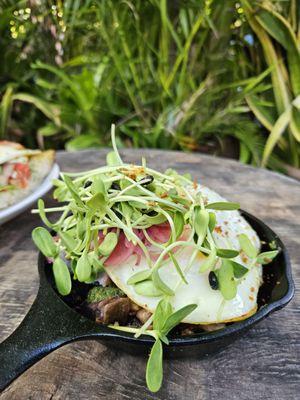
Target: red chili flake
(244, 258)
(218, 229)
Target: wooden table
(264, 364)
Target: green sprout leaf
(159, 283)
(228, 285)
(178, 269)
(112, 160)
(273, 245)
(223, 205)
(247, 246)
(227, 253)
(178, 223)
(267, 256)
(162, 312)
(83, 268)
(155, 220)
(212, 221)
(44, 242)
(68, 240)
(109, 243)
(97, 203)
(98, 186)
(126, 210)
(154, 370)
(62, 276)
(139, 276)
(41, 207)
(147, 288)
(73, 190)
(209, 262)
(96, 263)
(201, 220)
(177, 317)
(239, 270)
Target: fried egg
(211, 306)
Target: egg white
(211, 306)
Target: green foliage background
(221, 77)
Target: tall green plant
(279, 38)
(171, 74)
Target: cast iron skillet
(51, 323)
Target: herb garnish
(120, 200)
(164, 320)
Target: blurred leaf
(48, 130)
(275, 134)
(279, 28)
(262, 113)
(5, 109)
(83, 142)
(49, 109)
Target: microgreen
(178, 223)
(62, 276)
(209, 262)
(227, 253)
(147, 288)
(178, 269)
(154, 370)
(41, 209)
(68, 240)
(164, 320)
(139, 276)
(109, 243)
(97, 203)
(126, 197)
(201, 220)
(161, 314)
(160, 284)
(238, 269)
(267, 256)
(228, 285)
(212, 221)
(44, 242)
(98, 186)
(83, 269)
(114, 145)
(72, 189)
(111, 159)
(175, 318)
(223, 206)
(247, 246)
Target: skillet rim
(102, 331)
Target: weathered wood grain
(264, 364)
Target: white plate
(16, 209)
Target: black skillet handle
(48, 325)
